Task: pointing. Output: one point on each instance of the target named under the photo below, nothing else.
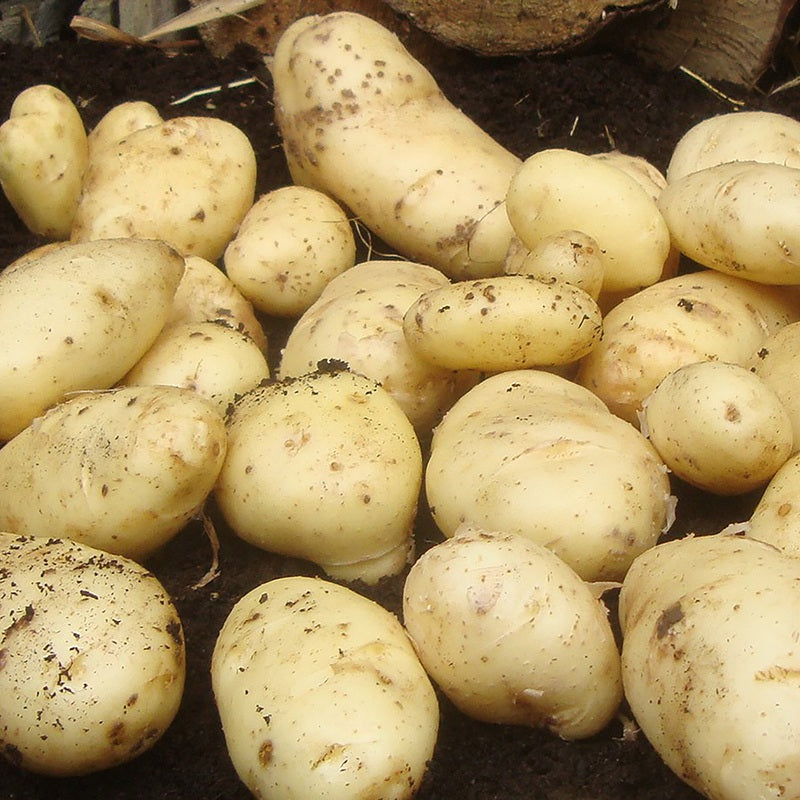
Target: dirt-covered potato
(43, 156)
(710, 657)
(93, 658)
(364, 121)
(718, 426)
(288, 247)
(76, 317)
(188, 181)
(532, 453)
(121, 470)
(324, 467)
(512, 635)
(321, 694)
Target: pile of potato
(550, 341)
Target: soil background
(590, 101)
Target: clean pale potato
(119, 122)
(764, 136)
(288, 247)
(188, 181)
(700, 316)
(121, 470)
(211, 358)
(358, 319)
(502, 323)
(718, 426)
(559, 190)
(324, 467)
(532, 453)
(776, 517)
(710, 656)
(76, 317)
(321, 694)
(739, 218)
(93, 657)
(43, 155)
(365, 122)
(512, 635)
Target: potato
(531, 453)
(776, 517)
(502, 323)
(512, 635)
(288, 247)
(120, 121)
(358, 319)
(188, 181)
(121, 470)
(702, 316)
(738, 218)
(206, 293)
(324, 467)
(736, 136)
(558, 190)
(77, 317)
(93, 658)
(320, 694)
(210, 358)
(709, 663)
(365, 122)
(43, 156)
(718, 426)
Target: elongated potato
(507, 322)
(188, 181)
(709, 663)
(77, 317)
(532, 453)
(93, 658)
(43, 156)
(512, 635)
(364, 121)
(121, 470)
(324, 467)
(321, 694)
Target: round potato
(120, 121)
(512, 635)
(776, 517)
(321, 694)
(93, 657)
(324, 467)
(503, 323)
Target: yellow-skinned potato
(210, 358)
(718, 426)
(289, 246)
(93, 657)
(739, 218)
(43, 156)
(324, 467)
(364, 121)
(207, 293)
(188, 181)
(512, 635)
(701, 316)
(120, 470)
(321, 694)
(776, 517)
(709, 663)
(77, 317)
(502, 323)
(737, 136)
(559, 190)
(532, 453)
(120, 121)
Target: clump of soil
(589, 102)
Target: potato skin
(79, 317)
(364, 121)
(92, 653)
(321, 694)
(512, 635)
(776, 517)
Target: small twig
(574, 126)
(713, 89)
(213, 90)
(31, 26)
(211, 533)
(790, 84)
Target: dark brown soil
(588, 102)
